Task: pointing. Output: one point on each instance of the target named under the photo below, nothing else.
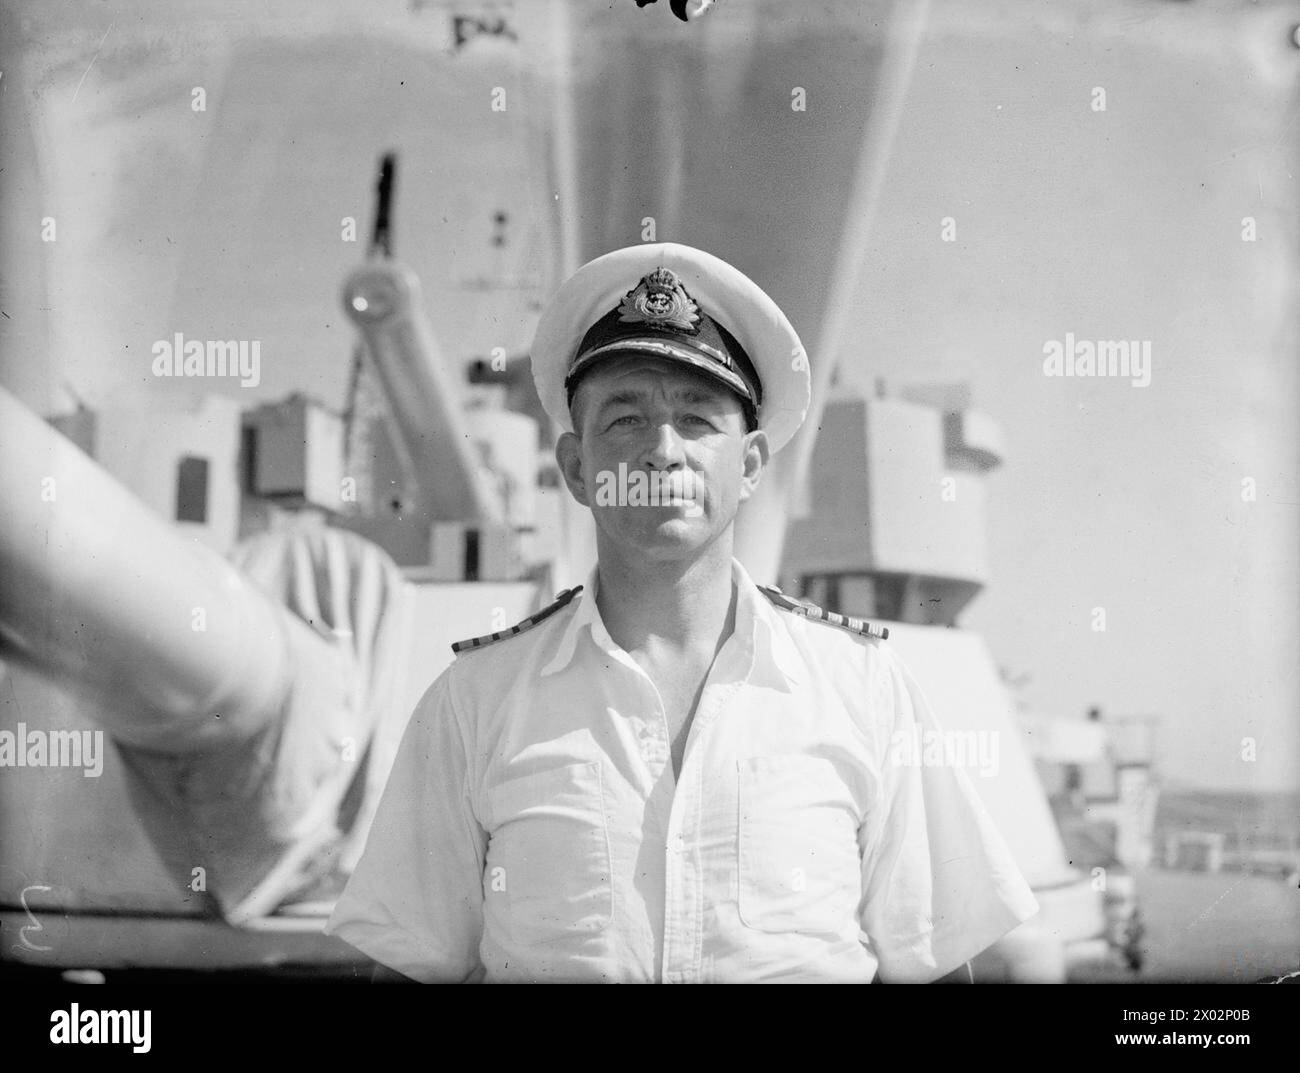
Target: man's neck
(683, 606)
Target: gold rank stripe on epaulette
(818, 614)
(532, 620)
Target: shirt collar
(757, 622)
(585, 614)
(774, 647)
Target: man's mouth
(678, 488)
(677, 491)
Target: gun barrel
(383, 300)
(180, 651)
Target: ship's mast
(364, 409)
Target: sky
(1123, 224)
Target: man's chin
(664, 533)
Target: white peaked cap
(719, 292)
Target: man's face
(660, 456)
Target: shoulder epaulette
(532, 620)
(818, 614)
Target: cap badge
(660, 301)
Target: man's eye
(626, 419)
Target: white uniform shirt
(532, 828)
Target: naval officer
(671, 773)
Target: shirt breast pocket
(798, 867)
(550, 844)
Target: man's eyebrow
(693, 395)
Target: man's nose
(665, 448)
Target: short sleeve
(415, 899)
(939, 883)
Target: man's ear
(568, 456)
(754, 456)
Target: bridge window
(192, 489)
